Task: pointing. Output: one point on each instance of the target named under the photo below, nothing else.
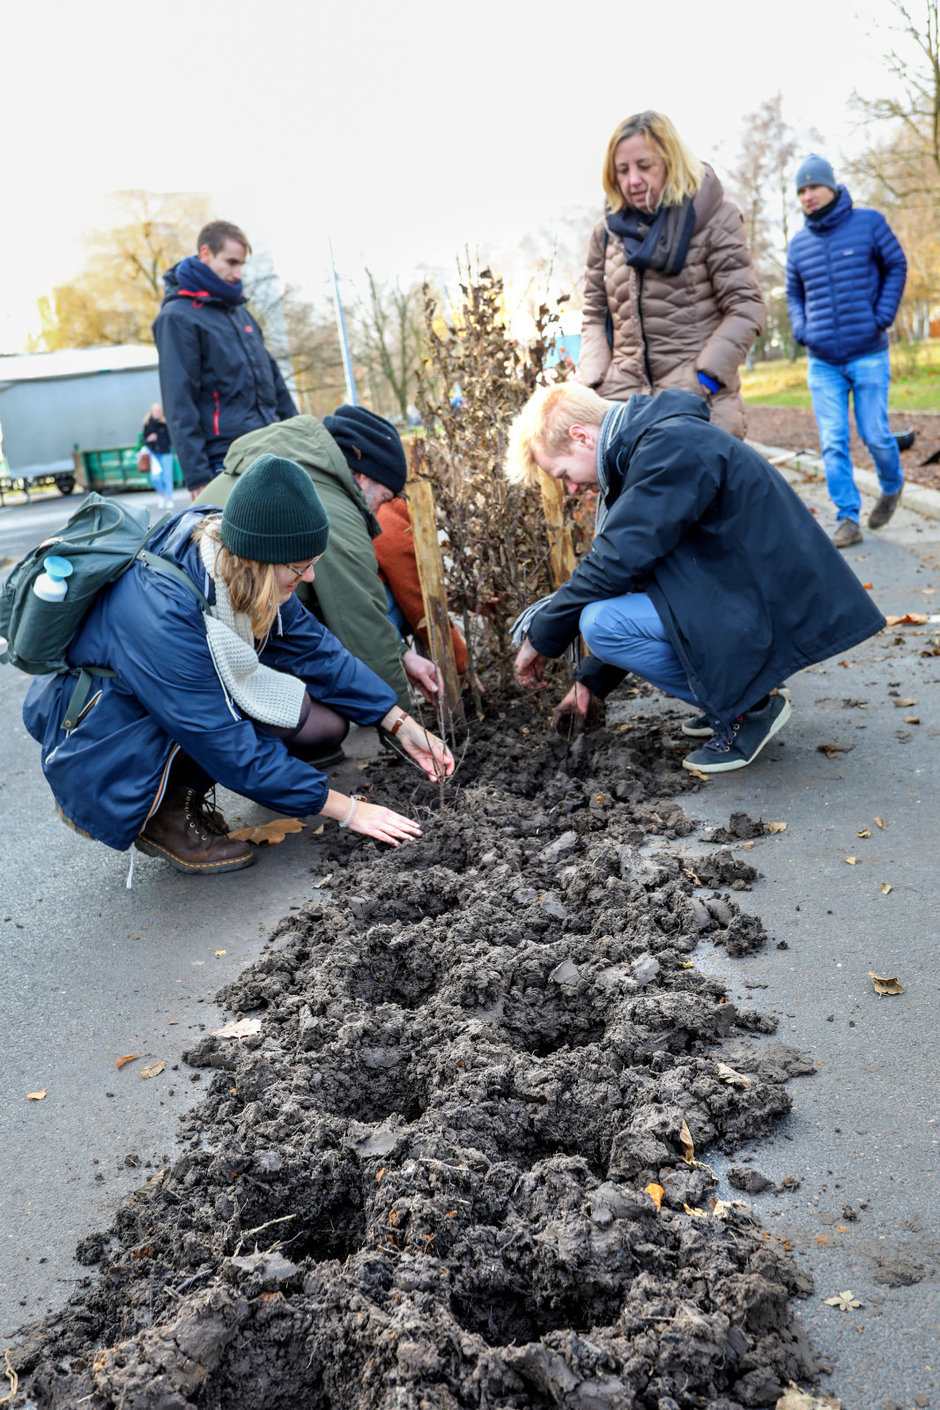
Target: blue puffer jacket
(748, 586)
(109, 773)
(217, 379)
(845, 278)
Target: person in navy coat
(845, 277)
(707, 576)
(217, 378)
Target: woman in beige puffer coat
(670, 294)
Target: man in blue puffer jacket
(217, 378)
(845, 277)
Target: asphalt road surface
(92, 971)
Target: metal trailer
(54, 406)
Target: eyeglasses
(299, 572)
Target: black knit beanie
(370, 444)
(274, 514)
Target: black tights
(320, 731)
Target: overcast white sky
(405, 132)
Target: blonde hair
(684, 172)
(252, 586)
(543, 425)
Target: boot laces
(203, 816)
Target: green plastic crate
(116, 469)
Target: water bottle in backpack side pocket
(52, 585)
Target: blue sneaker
(701, 727)
(739, 744)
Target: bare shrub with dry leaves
(494, 534)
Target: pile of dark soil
(794, 428)
(432, 1178)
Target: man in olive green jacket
(348, 595)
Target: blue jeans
(868, 379)
(628, 632)
(161, 473)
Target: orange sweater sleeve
(398, 567)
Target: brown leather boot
(191, 835)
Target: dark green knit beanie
(274, 514)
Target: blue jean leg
(628, 632)
(161, 472)
(829, 388)
(871, 379)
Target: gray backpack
(100, 541)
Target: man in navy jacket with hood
(707, 577)
(217, 379)
(845, 277)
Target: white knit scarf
(269, 696)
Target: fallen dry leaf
(885, 984)
(238, 1028)
(123, 1061)
(733, 1078)
(886, 888)
(775, 827)
(821, 1239)
(36, 1096)
(656, 1193)
(831, 750)
(697, 773)
(865, 832)
(722, 1207)
(916, 619)
(845, 1301)
(795, 1399)
(851, 861)
(695, 1212)
(152, 1070)
(269, 833)
(686, 1143)
(880, 822)
(220, 953)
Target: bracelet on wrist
(398, 723)
(354, 802)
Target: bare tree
(388, 338)
(762, 183)
(915, 107)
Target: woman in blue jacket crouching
(249, 693)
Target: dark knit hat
(815, 171)
(370, 444)
(274, 514)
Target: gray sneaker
(847, 532)
(883, 510)
(740, 743)
(701, 727)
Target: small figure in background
(846, 272)
(157, 442)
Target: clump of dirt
(452, 1170)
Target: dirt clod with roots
(452, 1169)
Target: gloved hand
(709, 383)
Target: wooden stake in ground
(431, 572)
(559, 534)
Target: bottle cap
(57, 567)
